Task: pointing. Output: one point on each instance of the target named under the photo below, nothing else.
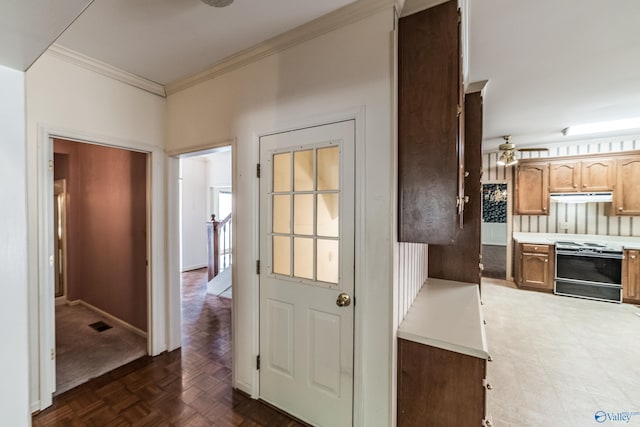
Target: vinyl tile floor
(190, 386)
(558, 361)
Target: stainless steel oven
(589, 270)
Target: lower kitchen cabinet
(439, 387)
(631, 276)
(535, 266)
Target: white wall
(219, 175)
(340, 74)
(14, 392)
(194, 213)
(71, 101)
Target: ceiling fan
(508, 152)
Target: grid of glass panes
(305, 201)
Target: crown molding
(415, 6)
(339, 18)
(105, 69)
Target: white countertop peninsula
(447, 315)
(552, 238)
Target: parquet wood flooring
(190, 386)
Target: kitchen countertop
(447, 315)
(552, 238)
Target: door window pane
(328, 206)
(303, 214)
(282, 172)
(328, 168)
(282, 214)
(327, 261)
(281, 255)
(303, 257)
(303, 170)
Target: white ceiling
(554, 63)
(27, 28)
(550, 63)
(166, 40)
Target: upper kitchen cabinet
(430, 122)
(598, 175)
(564, 177)
(532, 189)
(627, 191)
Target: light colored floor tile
(558, 360)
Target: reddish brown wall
(107, 248)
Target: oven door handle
(589, 254)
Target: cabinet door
(535, 270)
(598, 175)
(429, 119)
(532, 189)
(631, 275)
(564, 177)
(627, 194)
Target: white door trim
(173, 241)
(44, 286)
(357, 114)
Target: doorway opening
(494, 230)
(206, 217)
(100, 221)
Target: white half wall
(345, 73)
(14, 319)
(194, 216)
(73, 102)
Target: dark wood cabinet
(532, 189)
(461, 260)
(438, 387)
(535, 266)
(430, 114)
(631, 276)
(627, 193)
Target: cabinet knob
(466, 174)
(584, 185)
(632, 257)
(575, 185)
(544, 209)
(620, 209)
(546, 260)
(466, 199)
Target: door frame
(174, 298)
(42, 294)
(358, 116)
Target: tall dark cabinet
(461, 261)
(431, 114)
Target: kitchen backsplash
(583, 218)
(578, 218)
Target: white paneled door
(307, 274)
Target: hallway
(186, 387)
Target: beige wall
(343, 73)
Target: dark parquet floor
(190, 386)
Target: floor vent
(100, 326)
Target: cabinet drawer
(540, 249)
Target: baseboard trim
(61, 300)
(111, 317)
(194, 267)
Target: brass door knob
(344, 300)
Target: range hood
(604, 196)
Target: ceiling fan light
(502, 161)
(218, 3)
(511, 160)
